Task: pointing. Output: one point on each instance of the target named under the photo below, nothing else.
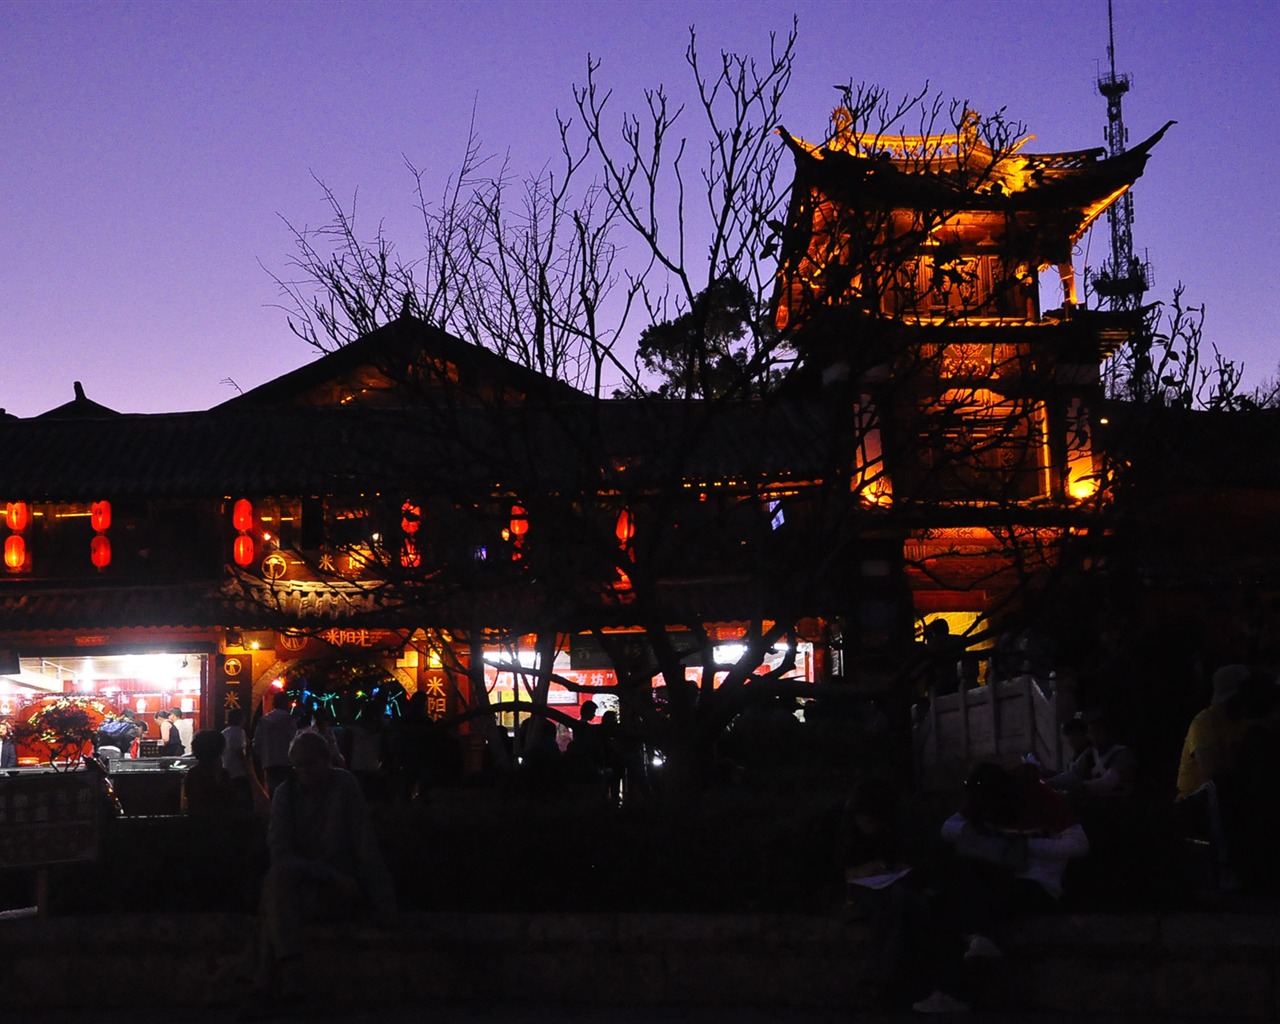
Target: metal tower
(1122, 279)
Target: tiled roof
(98, 607)
(208, 455)
(391, 356)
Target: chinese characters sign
(49, 818)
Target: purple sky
(151, 149)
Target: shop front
(107, 683)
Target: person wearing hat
(1206, 751)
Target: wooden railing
(1004, 721)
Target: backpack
(118, 732)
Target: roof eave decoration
(905, 171)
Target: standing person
(206, 790)
(235, 757)
(170, 740)
(408, 746)
(365, 761)
(8, 749)
(325, 861)
(185, 727)
(584, 753)
(271, 741)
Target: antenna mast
(1123, 278)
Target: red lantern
(16, 516)
(100, 551)
(626, 528)
(15, 552)
(519, 522)
(242, 515)
(409, 556)
(243, 551)
(410, 517)
(100, 516)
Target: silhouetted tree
(644, 522)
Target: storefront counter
(149, 785)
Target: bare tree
(643, 522)
(1165, 363)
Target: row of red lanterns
(17, 516)
(517, 529)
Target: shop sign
(234, 677)
(49, 818)
(307, 645)
(432, 684)
(586, 652)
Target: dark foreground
(633, 969)
(515, 1013)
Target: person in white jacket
(1013, 837)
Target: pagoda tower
(909, 284)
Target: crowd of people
(1021, 841)
(398, 758)
(1100, 831)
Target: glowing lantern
(17, 515)
(518, 528)
(15, 552)
(410, 517)
(519, 522)
(242, 515)
(626, 528)
(100, 516)
(243, 550)
(100, 551)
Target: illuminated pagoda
(910, 282)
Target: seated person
(1013, 837)
(879, 884)
(1206, 749)
(1075, 735)
(325, 862)
(1103, 768)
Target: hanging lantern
(243, 550)
(242, 515)
(15, 552)
(100, 516)
(519, 522)
(410, 517)
(626, 528)
(100, 551)
(17, 515)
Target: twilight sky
(149, 150)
